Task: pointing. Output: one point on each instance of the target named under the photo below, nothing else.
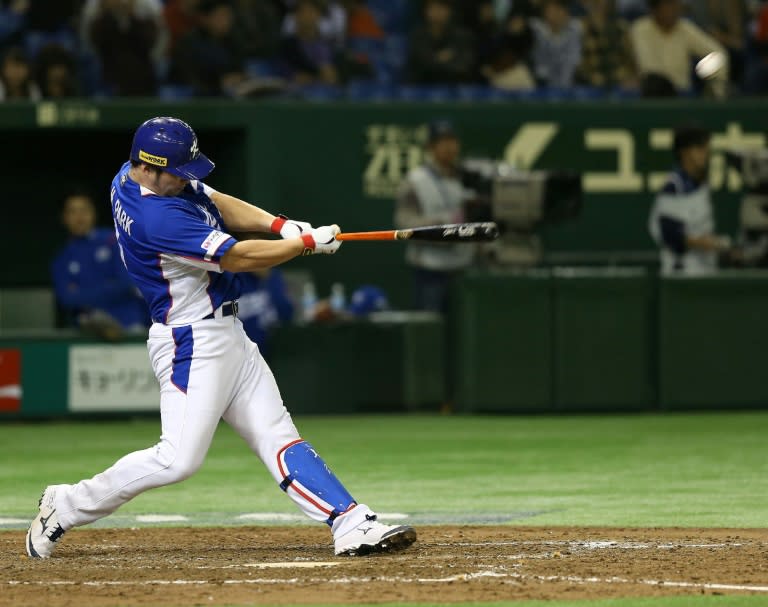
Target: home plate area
(289, 565)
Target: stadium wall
(342, 162)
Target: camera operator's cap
(441, 129)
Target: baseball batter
(172, 230)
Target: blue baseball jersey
(88, 275)
(171, 247)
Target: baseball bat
(449, 232)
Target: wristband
(309, 244)
(278, 224)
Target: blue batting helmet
(170, 144)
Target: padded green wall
(329, 163)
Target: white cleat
(371, 536)
(45, 530)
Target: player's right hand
(290, 228)
(322, 240)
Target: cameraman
(681, 221)
(431, 194)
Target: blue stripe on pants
(182, 357)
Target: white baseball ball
(710, 65)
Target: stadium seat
(171, 92)
(392, 15)
(320, 92)
(36, 40)
(474, 92)
(262, 68)
(366, 46)
(367, 90)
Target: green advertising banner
(342, 163)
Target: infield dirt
(294, 565)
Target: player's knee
(178, 464)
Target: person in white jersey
(173, 234)
(681, 221)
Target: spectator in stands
(257, 23)
(440, 51)
(263, 304)
(363, 53)
(361, 22)
(607, 60)
(631, 9)
(756, 76)
(309, 55)
(665, 46)
(16, 80)
(682, 220)
(725, 21)
(479, 17)
(557, 45)
(52, 16)
(180, 18)
(332, 22)
(508, 67)
(56, 70)
(93, 289)
(12, 19)
(211, 58)
(123, 38)
(432, 193)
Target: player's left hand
(290, 228)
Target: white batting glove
(322, 240)
(289, 228)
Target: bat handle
(381, 235)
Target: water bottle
(338, 299)
(308, 302)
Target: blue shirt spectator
(263, 304)
(557, 45)
(92, 287)
(210, 58)
(12, 22)
(309, 55)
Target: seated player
(93, 289)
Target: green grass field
(638, 470)
(697, 470)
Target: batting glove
(289, 228)
(322, 240)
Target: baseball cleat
(370, 537)
(45, 530)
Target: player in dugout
(93, 290)
(173, 234)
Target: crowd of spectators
(239, 48)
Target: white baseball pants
(207, 371)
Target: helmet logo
(159, 161)
(194, 150)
